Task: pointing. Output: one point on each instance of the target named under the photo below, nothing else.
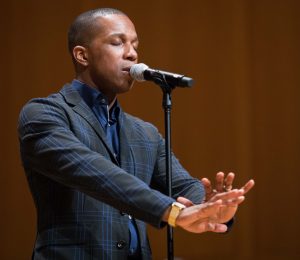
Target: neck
(111, 98)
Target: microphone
(142, 72)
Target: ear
(80, 55)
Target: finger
(228, 181)
(207, 185)
(186, 202)
(198, 212)
(248, 186)
(233, 202)
(202, 226)
(208, 227)
(219, 181)
(233, 194)
(219, 228)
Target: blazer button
(121, 244)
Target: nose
(131, 53)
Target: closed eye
(135, 46)
(116, 43)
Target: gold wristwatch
(175, 210)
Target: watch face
(179, 205)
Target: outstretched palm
(229, 199)
(223, 185)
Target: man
(96, 173)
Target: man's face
(111, 53)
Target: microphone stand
(167, 106)
(167, 88)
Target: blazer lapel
(73, 98)
(127, 160)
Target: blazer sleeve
(183, 184)
(50, 148)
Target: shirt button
(121, 244)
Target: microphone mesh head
(137, 71)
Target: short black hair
(81, 31)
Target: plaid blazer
(81, 192)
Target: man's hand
(224, 184)
(209, 216)
(219, 207)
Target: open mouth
(127, 69)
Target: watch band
(175, 210)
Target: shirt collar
(94, 98)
